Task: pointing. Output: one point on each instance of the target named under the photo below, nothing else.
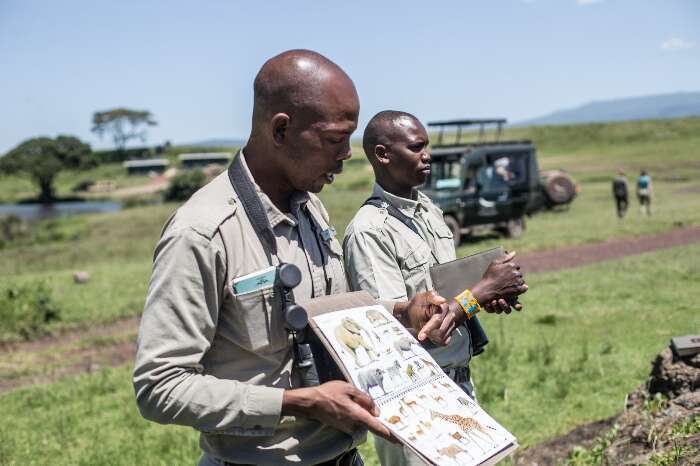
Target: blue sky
(192, 63)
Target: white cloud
(676, 43)
(588, 2)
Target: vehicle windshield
(445, 173)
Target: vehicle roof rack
(466, 123)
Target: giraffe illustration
(471, 427)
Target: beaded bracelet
(468, 303)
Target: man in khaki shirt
(222, 361)
(391, 260)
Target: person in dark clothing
(619, 188)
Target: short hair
(380, 129)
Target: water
(58, 209)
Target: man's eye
(416, 147)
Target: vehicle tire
(559, 187)
(514, 228)
(454, 227)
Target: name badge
(259, 280)
(328, 234)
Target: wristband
(468, 303)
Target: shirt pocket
(443, 231)
(255, 321)
(416, 270)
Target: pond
(58, 209)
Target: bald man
(391, 244)
(213, 351)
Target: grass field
(117, 248)
(585, 340)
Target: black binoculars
(295, 316)
(296, 320)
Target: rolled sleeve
(177, 328)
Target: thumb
(508, 257)
(432, 324)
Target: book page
(421, 405)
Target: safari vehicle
(490, 184)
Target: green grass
(88, 420)
(117, 248)
(585, 339)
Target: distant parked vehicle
(491, 184)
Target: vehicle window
(445, 174)
(502, 171)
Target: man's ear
(381, 154)
(279, 125)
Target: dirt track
(68, 353)
(577, 256)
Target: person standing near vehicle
(399, 233)
(216, 356)
(644, 192)
(619, 189)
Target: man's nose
(346, 153)
(426, 157)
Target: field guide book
(421, 405)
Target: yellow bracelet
(468, 303)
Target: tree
(124, 124)
(42, 158)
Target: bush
(25, 311)
(184, 185)
(12, 228)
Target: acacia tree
(123, 124)
(42, 158)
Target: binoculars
(296, 320)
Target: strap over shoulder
(380, 203)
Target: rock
(81, 276)
(673, 377)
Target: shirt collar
(274, 215)
(408, 207)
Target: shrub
(184, 185)
(12, 228)
(26, 310)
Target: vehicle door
(446, 182)
(503, 185)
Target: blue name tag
(260, 280)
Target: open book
(423, 407)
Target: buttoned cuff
(263, 407)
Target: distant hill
(654, 107)
(214, 143)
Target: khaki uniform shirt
(391, 262)
(218, 362)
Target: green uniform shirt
(219, 362)
(391, 262)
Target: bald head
(304, 113)
(298, 82)
(385, 127)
